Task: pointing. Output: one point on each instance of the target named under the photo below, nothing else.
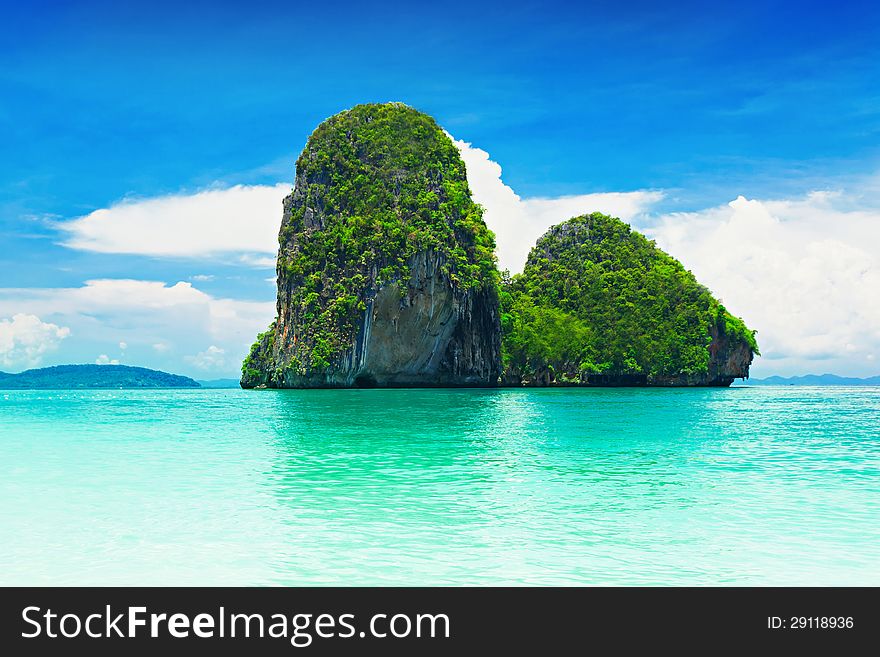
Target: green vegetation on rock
(255, 362)
(375, 185)
(387, 276)
(599, 298)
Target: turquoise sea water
(441, 487)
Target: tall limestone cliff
(600, 304)
(386, 270)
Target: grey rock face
(422, 332)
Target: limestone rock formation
(599, 304)
(386, 270)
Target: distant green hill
(815, 380)
(219, 383)
(93, 376)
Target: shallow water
(441, 487)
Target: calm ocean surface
(404, 487)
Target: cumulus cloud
(260, 262)
(243, 219)
(804, 272)
(149, 313)
(25, 339)
(213, 358)
(104, 359)
(126, 303)
(518, 223)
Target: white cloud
(123, 346)
(104, 359)
(25, 339)
(241, 219)
(201, 278)
(518, 223)
(803, 272)
(126, 303)
(213, 358)
(244, 220)
(153, 312)
(260, 262)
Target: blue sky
(696, 103)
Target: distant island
(815, 380)
(62, 377)
(219, 383)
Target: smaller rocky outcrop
(598, 304)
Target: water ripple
(617, 486)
